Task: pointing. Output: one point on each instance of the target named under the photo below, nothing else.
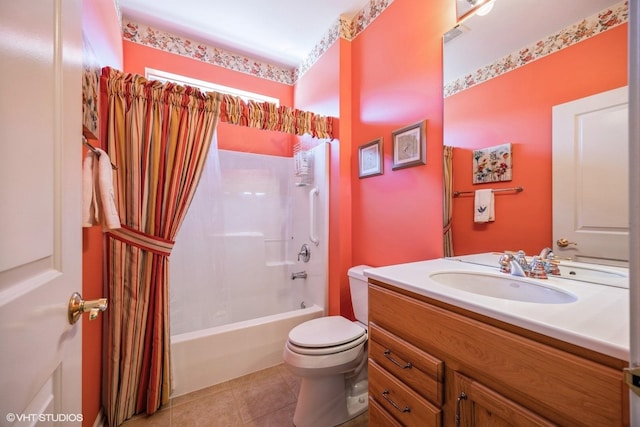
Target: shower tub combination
(232, 297)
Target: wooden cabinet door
(478, 405)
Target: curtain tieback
(141, 240)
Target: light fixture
(485, 8)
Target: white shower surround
(233, 318)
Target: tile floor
(265, 398)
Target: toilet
(329, 354)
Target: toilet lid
(325, 332)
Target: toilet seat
(326, 335)
(319, 351)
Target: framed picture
(410, 146)
(492, 164)
(370, 159)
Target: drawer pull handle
(387, 354)
(385, 395)
(463, 396)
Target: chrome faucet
(518, 266)
(521, 259)
(305, 253)
(510, 265)
(505, 263)
(546, 253)
(299, 275)
(549, 261)
(538, 268)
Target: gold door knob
(563, 243)
(77, 306)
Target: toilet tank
(359, 297)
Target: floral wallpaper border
(589, 27)
(343, 27)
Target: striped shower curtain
(158, 134)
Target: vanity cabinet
(430, 362)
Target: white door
(591, 178)
(40, 227)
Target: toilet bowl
(329, 354)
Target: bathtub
(204, 358)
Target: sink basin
(503, 287)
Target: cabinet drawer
(407, 406)
(419, 370)
(378, 417)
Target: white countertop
(597, 320)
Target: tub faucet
(299, 275)
(305, 253)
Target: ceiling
(280, 32)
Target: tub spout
(299, 275)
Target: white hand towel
(483, 208)
(109, 217)
(88, 195)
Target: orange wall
(518, 107)
(397, 81)
(101, 30)
(230, 137)
(92, 288)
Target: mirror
(503, 73)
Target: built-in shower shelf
(279, 263)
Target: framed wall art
(370, 161)
(492, 164)
(410, 146)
